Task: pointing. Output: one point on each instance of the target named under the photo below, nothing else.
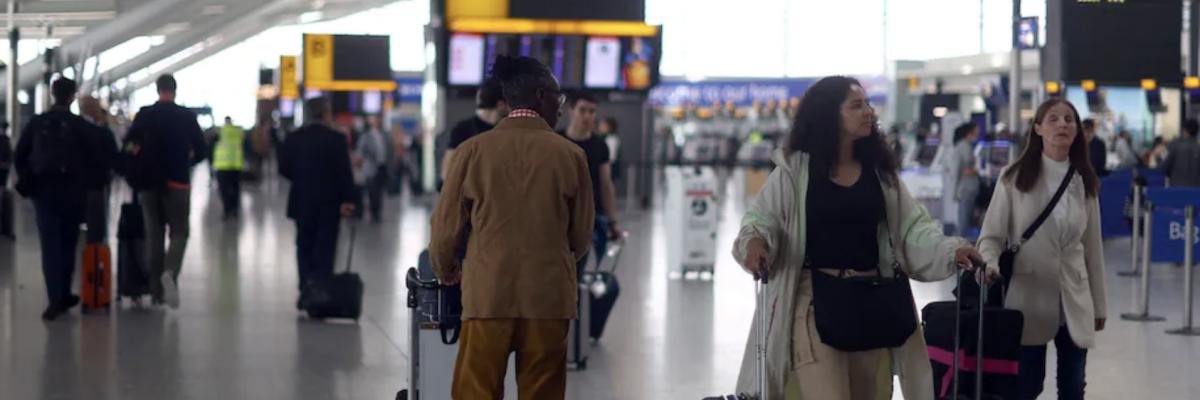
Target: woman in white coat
(836, 208)
(1057, 279)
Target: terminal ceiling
(190, 30)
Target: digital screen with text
(1122, 41)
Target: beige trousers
(825, 373)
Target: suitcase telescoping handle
(958, 310)
(763, 325)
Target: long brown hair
(1028, 168)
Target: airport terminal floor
(237, 334)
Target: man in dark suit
(316, 159)
(1097, 151)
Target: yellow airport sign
(352, 86)
(1191, 82)
(552, 27)
(913, 83)
(1053, 87)
(288, 87)
(1089, 85)
(1149, 84)
(318, 60)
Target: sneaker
(170, 291)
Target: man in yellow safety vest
(228, 159)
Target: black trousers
(316, 245)
(374, 187)
(229, 184)
(58, 222)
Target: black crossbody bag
(863, 312)
(1009, 255)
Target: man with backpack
(161, 148)
(57, 155)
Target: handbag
(861, 313)
(1009, 255)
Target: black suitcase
(132, 281)
(339, 295)
(8, 204)
(956, 337)
(604, 288)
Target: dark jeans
(316, 245)
(374, 187)
(599, 245)
(229, 184)
(1072, 363)
(166, 210)
(58, 224)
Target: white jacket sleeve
(766, 218)
(1093, 248)
(928, 252)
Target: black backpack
(53, 147)
(138, 163)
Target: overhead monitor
(603, 62)
(466, 59)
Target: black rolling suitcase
(132, 281)
(603, 288)
(8, 204)
(339, 295)
(761, 362)
(956, 341)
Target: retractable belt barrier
(1169, 216)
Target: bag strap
(1062, 188)
(453, 334)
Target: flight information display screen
(1122, 41)
(579, 62)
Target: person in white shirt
(1057, 277)
(373, 154)
(1127, 157)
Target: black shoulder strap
(1062, 188)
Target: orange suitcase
(96, 277)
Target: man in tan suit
(526, 196)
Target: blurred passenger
(1097, 150)
(966, 174)
(490, 107)
(1057, 280)
(372, 151)
(57, 155)
(6, 155)
(583, 109)
(165, 142)
(1182, 165)
(1157, 153)
(228, 159)
(525, 195)
(1126, 156)
(836, 175)
(96, 216)
(608, 130)
(316, 159)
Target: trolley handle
(413, 281)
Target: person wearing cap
(490, 107)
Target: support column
(1014, 80)
(12, 111)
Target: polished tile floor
(237, 335)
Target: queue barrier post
(1135, 232)
(1143, 314)
(1189, 240)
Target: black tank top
(843, 222)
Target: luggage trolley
(433, 352)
